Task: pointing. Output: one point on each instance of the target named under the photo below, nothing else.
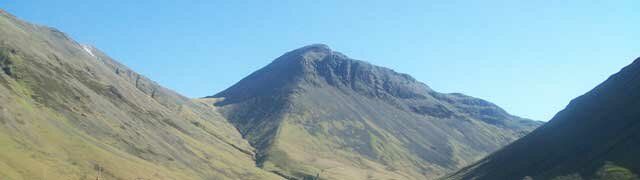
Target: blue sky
(530, 57)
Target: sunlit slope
(315, 113)
(68, 111)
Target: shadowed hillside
(596, 137)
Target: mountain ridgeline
(316, 113)
(69, 111)
(597, 136)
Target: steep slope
(68, 111)
(315, 113)
(596, 136)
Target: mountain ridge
(313, 113)
(312, 90)
(68, 111)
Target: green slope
(597, 136)
(315, 113)
(68, 111)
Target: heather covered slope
(68, 110)
(597, 136)
(316, 113)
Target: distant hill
(316, 113)
(596, 137)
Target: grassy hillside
(68, 111)
(315, 113)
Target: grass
(59, 120)
(611, 171)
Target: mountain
(68, 111)
(597, 136)
(314, 113)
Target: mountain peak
(315, 47)
(307, 53)
(318, 65)
(316, 98)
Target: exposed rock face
(593, 132)
(68, 111)
(315, 112)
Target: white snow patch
(88, 50)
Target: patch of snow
(88, 50)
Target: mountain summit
(316, 113)
(69, 111)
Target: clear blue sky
(530, 57)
